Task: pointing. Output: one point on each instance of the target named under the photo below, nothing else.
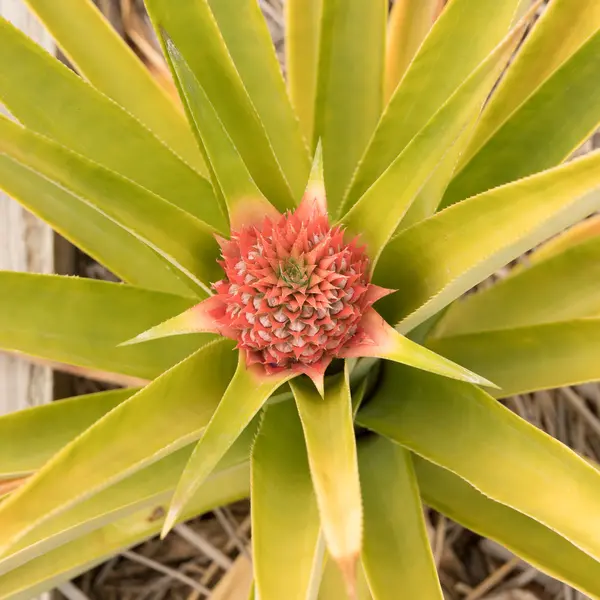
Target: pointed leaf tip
(316, 172)
(348, 567)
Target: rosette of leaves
(299, 334)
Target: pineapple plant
(293, 322)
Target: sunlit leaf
(80, 555)
(113, 68)
(150, 218)
(89, 320)
(538, 58)
(409, 23)
(283, 500)
(32, 74)
(543, 131)
(150, 486)
(538, 545)
(187, 22)
(463, 36)
(168, 414)
(349, 87)
(396, 553)
(245, 202)
(329, 434)
(459, 427)
(302, 32)
(560, 288)
(245, 395)
(375, 216)
(28, 438)
(436, 261)
(529, 358)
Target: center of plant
(294, 291)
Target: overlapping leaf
(219, 77)
(31, 74)
(113, 68)
(529, 358)
(168, 414)
(193, 250)
(283, 500)
(349, 87)
(538, 545)
(436, 261)
(396, 552)
(459, 427)
(82, 322)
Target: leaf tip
(347, 566)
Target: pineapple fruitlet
(292, 323)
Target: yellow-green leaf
(437, 260)
(409, 23)
(249, 43)
(113, 138)
(83, 321)
(283, 500)
(28, 438)
(538, 545)
(302, 33)
(538, 58)
(529, 358)
(243, 198)
(245, 395)
(333, 586)
(168, 414)
(464, 35)
(542, 132)
(380, 209)
(349, 87)
(187, 22)
(193, 250)
(113, 68)
(149, 486)
(329, 433)
(459, 427)
(560, 288)
(68, 561)
(396, 552)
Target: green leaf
(333, 586)
(28, 438)
(464, 35)
(193, 251)
(245, 31)
(408, 25)
(283, 500)
(349, 87)
(396, 553)
(542, 132)
(245, 395)
(525, 359)
(537, 60)
(459, 427)
(436, 261)
(114, 69)
(243, 198)
(385, 342)
(89, 319)
(329, 433)
(150, 486)
(536, 544)
(108, 243)
(302, 33)
(78, 556)
(168, 414)
(186, 23)
(378, 212)
(560, 288)
(113, 138)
